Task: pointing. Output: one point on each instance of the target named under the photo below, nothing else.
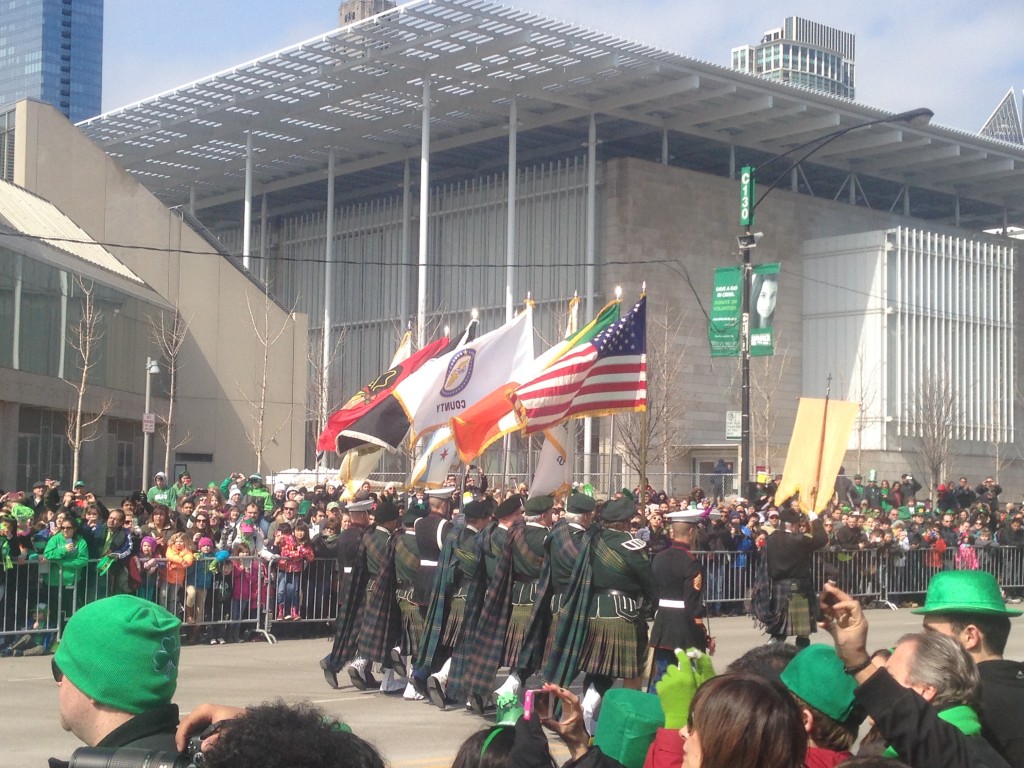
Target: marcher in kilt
(351, 593)
(444, 622)
(794, 601)
(488, 608)
(407, 563)
(528, 561)
(679, 583)
(382, 623)
(602, 630)
(561, 551)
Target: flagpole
(821, 445)
(643, 429)
(611, 457)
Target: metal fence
(247, 597)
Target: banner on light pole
(726, 312)
(764, 299)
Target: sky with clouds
(957, 58)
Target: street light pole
(152, 368)
(748, 240)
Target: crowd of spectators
(215, 556)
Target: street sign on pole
(746, 196)
(148, 423)
(733, 425)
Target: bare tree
(864, 390)
(259, 434)
(320, 401)
(661, 435)
(935, 409)
(767, 375)
(168, 334)
(84, 339)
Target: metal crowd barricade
(315, 595)
(728, 577)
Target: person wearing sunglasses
(119, 695)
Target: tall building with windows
(1005, 122)
(352, 11)
(52, 50)
(803, 53)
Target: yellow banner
(816, 450)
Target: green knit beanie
(123, 652)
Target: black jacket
(1002, 702)
(912, 727)
(153, 730)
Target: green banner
(764, 298)
(724, 322)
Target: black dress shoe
(478, 706)
(435, 693)
(329, 674)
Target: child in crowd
(179, 559)
(198, 580)
(245, 589)
(150, 567)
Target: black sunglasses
(58, 675)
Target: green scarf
(962, 716)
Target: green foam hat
(627, 726)
(817, 676)
(965, 592)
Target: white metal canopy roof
(359, 90)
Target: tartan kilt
(412, 622)
(796, 605)
(515, 633)
(452, 631)
(616, 643)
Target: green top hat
(965, 592)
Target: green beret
(476, 510)
(617, 510)
(385, 512)
(509, 506)
(538, 505)
(580, 503)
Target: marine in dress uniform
(679, 587)
(431, 532)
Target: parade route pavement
(408, 734)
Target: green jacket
(65, 564)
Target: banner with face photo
(764, 299)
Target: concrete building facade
(220, 374)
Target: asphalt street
(408, 734)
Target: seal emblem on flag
(460, 371)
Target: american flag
(602, 376)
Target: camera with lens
(138, 757)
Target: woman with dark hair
(764, 296)
(488, 748)
(740, 720)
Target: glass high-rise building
(803, 53)
(52, 50)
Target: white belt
(671, 603)
(347, 569)
(429, 562)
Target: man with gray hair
(924, 702)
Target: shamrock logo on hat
(163, 659)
